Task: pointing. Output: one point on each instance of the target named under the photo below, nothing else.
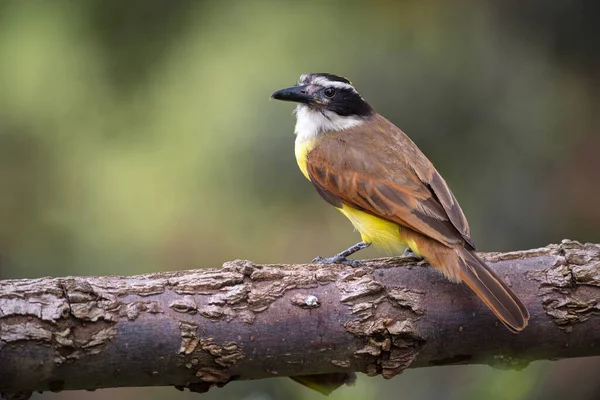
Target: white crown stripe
(321, 81)
(307, 79)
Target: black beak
(298, 94)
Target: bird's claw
(338, 260)
(408, 253)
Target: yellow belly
(377, 231)
(374, 230)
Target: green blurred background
(138, 136)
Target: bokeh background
(138, 136)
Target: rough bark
(201, 328)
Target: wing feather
(415, 196)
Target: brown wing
(376, 168)
(444, 196)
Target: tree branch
(199, 328)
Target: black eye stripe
(341, 99)
(347, 102)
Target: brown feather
(461, 264)
(376, 168)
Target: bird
(374, 174)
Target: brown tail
(459, 264)
(492, 290)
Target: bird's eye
(329, 92)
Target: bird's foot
(408, 253)
(338, 259)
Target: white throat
(310, 123)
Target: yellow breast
(301, 148)
(375, 230)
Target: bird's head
(326, 102)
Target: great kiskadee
(368, 169)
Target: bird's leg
(408, 253)
(340, 258)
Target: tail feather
(492, 291)
(460, 264)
